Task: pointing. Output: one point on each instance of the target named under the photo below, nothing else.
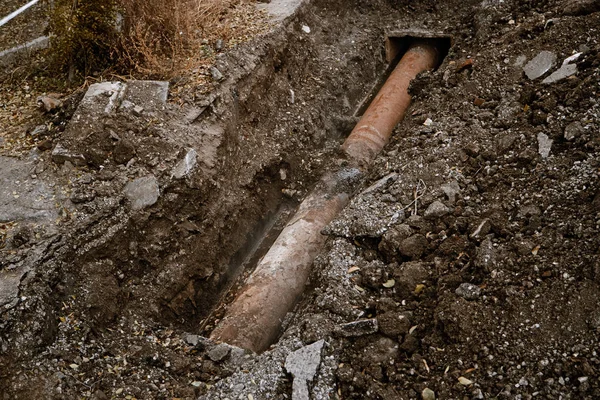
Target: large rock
(142, 192)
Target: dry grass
(163, 37)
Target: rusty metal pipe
(253, 320)
(387, 109)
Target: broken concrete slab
(303, 365)
(9, 286)
(151, 95)
(565, 71)
(17, 53)
(103, 96)
(280, 9)
(540, 64)
(142, 192)
(21, 197)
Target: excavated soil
(469, 255)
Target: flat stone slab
(21, 197)
(565, 71)
(540, 64)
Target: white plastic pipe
(19, 11)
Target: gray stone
(468, 291)
(303, 365)
(544, 144)
(100, 98)
(185, 166)
(9, 285)
(565, 71)
(142, 192)
(540, 64)
(358, 328)
(219, 352)
(39, 131)
(216, 74)
(428, 394)
(436, 209)
(573, 130)
(60, 155)
(486, 255)
(22, 198)
(192, 340)
(451, 190)
(138, 111)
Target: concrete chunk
(540, 64)
(303, 365)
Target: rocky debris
(186, 165)
(124, 151)
(540, 64)
(413, 246)
(394, 324)
(358, 328)
(565, 71)
(468, 291)
(437, 209)
(82, 195)
(408, 276)
(151, 96)
(544, 144)
(382, 351)
(138, 111)
(23, 198)
(60, 155)
(9, 286)
(219, 352)
(451, 190)
(39, 131)
(392, 239)
(486, 255)
(216, 74)
(573, 131)
(428, 394)
(142, 192)
(303, 365)
(361, 218)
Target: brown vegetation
(152, 37)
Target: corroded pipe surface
(254, 319)
(374, 129)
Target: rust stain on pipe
(254, 319)
(374, 129)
